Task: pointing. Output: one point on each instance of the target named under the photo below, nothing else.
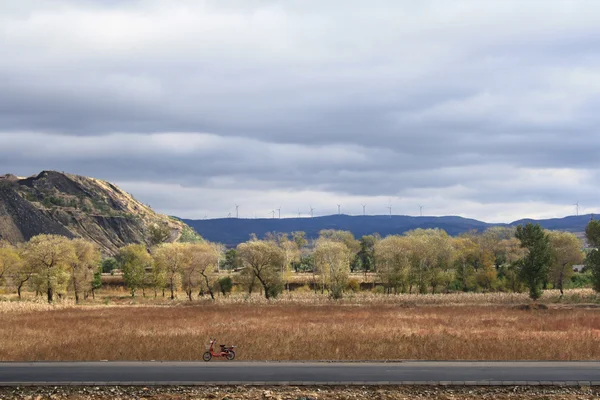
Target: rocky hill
(77, 206)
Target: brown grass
(299, 332)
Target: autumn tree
(392, 259)
(534, 265)
(50, 258)
(345, 237)
(432, 256)
(23, 274)
(487, 277)
(566, 252)
(291, 254)
(262, 260)
(85, 263)
(156, 279)
(172, 258)
(508, 255)
(332, 260)
(134, 261)
(466, 251)
(201, 268)
(10, 261)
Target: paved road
(215, 372)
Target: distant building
(578, 268)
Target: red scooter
(226, 352)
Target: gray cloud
(492, 104)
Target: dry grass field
(304, 328)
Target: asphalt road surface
(299, 373)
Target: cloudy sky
(485, 109)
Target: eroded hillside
(76, 206)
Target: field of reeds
(306, 327)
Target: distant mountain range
(76, 206)
(232, 231)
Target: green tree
(50, 258)
(109, 264)
(592, 233)
(225, 285)
(534, 265)
(592, 260)
(232, 261)
(134, 260)
(366, 254)
(96, 282)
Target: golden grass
(288, 331)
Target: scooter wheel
(230, 355)
(207, 356)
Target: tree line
(420, 261)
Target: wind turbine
(272, 214)
(364, 206)
(229, 215)
(577, 207)
(390, 208)
(311, 211)
(421, 210)
(237, 214)
(279, 212)
(339, 212)
(298, 213)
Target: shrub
(580, 281)
(353, 285)
(108, 265)
(225, 285)
(303, 289)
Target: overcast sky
(484, 109)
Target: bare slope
(76, 206)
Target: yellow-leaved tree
(332, 261)
(392, 261)
(566, 251)
(50, 258)
(262, 260)
(84, 265)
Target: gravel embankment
(301, 393)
